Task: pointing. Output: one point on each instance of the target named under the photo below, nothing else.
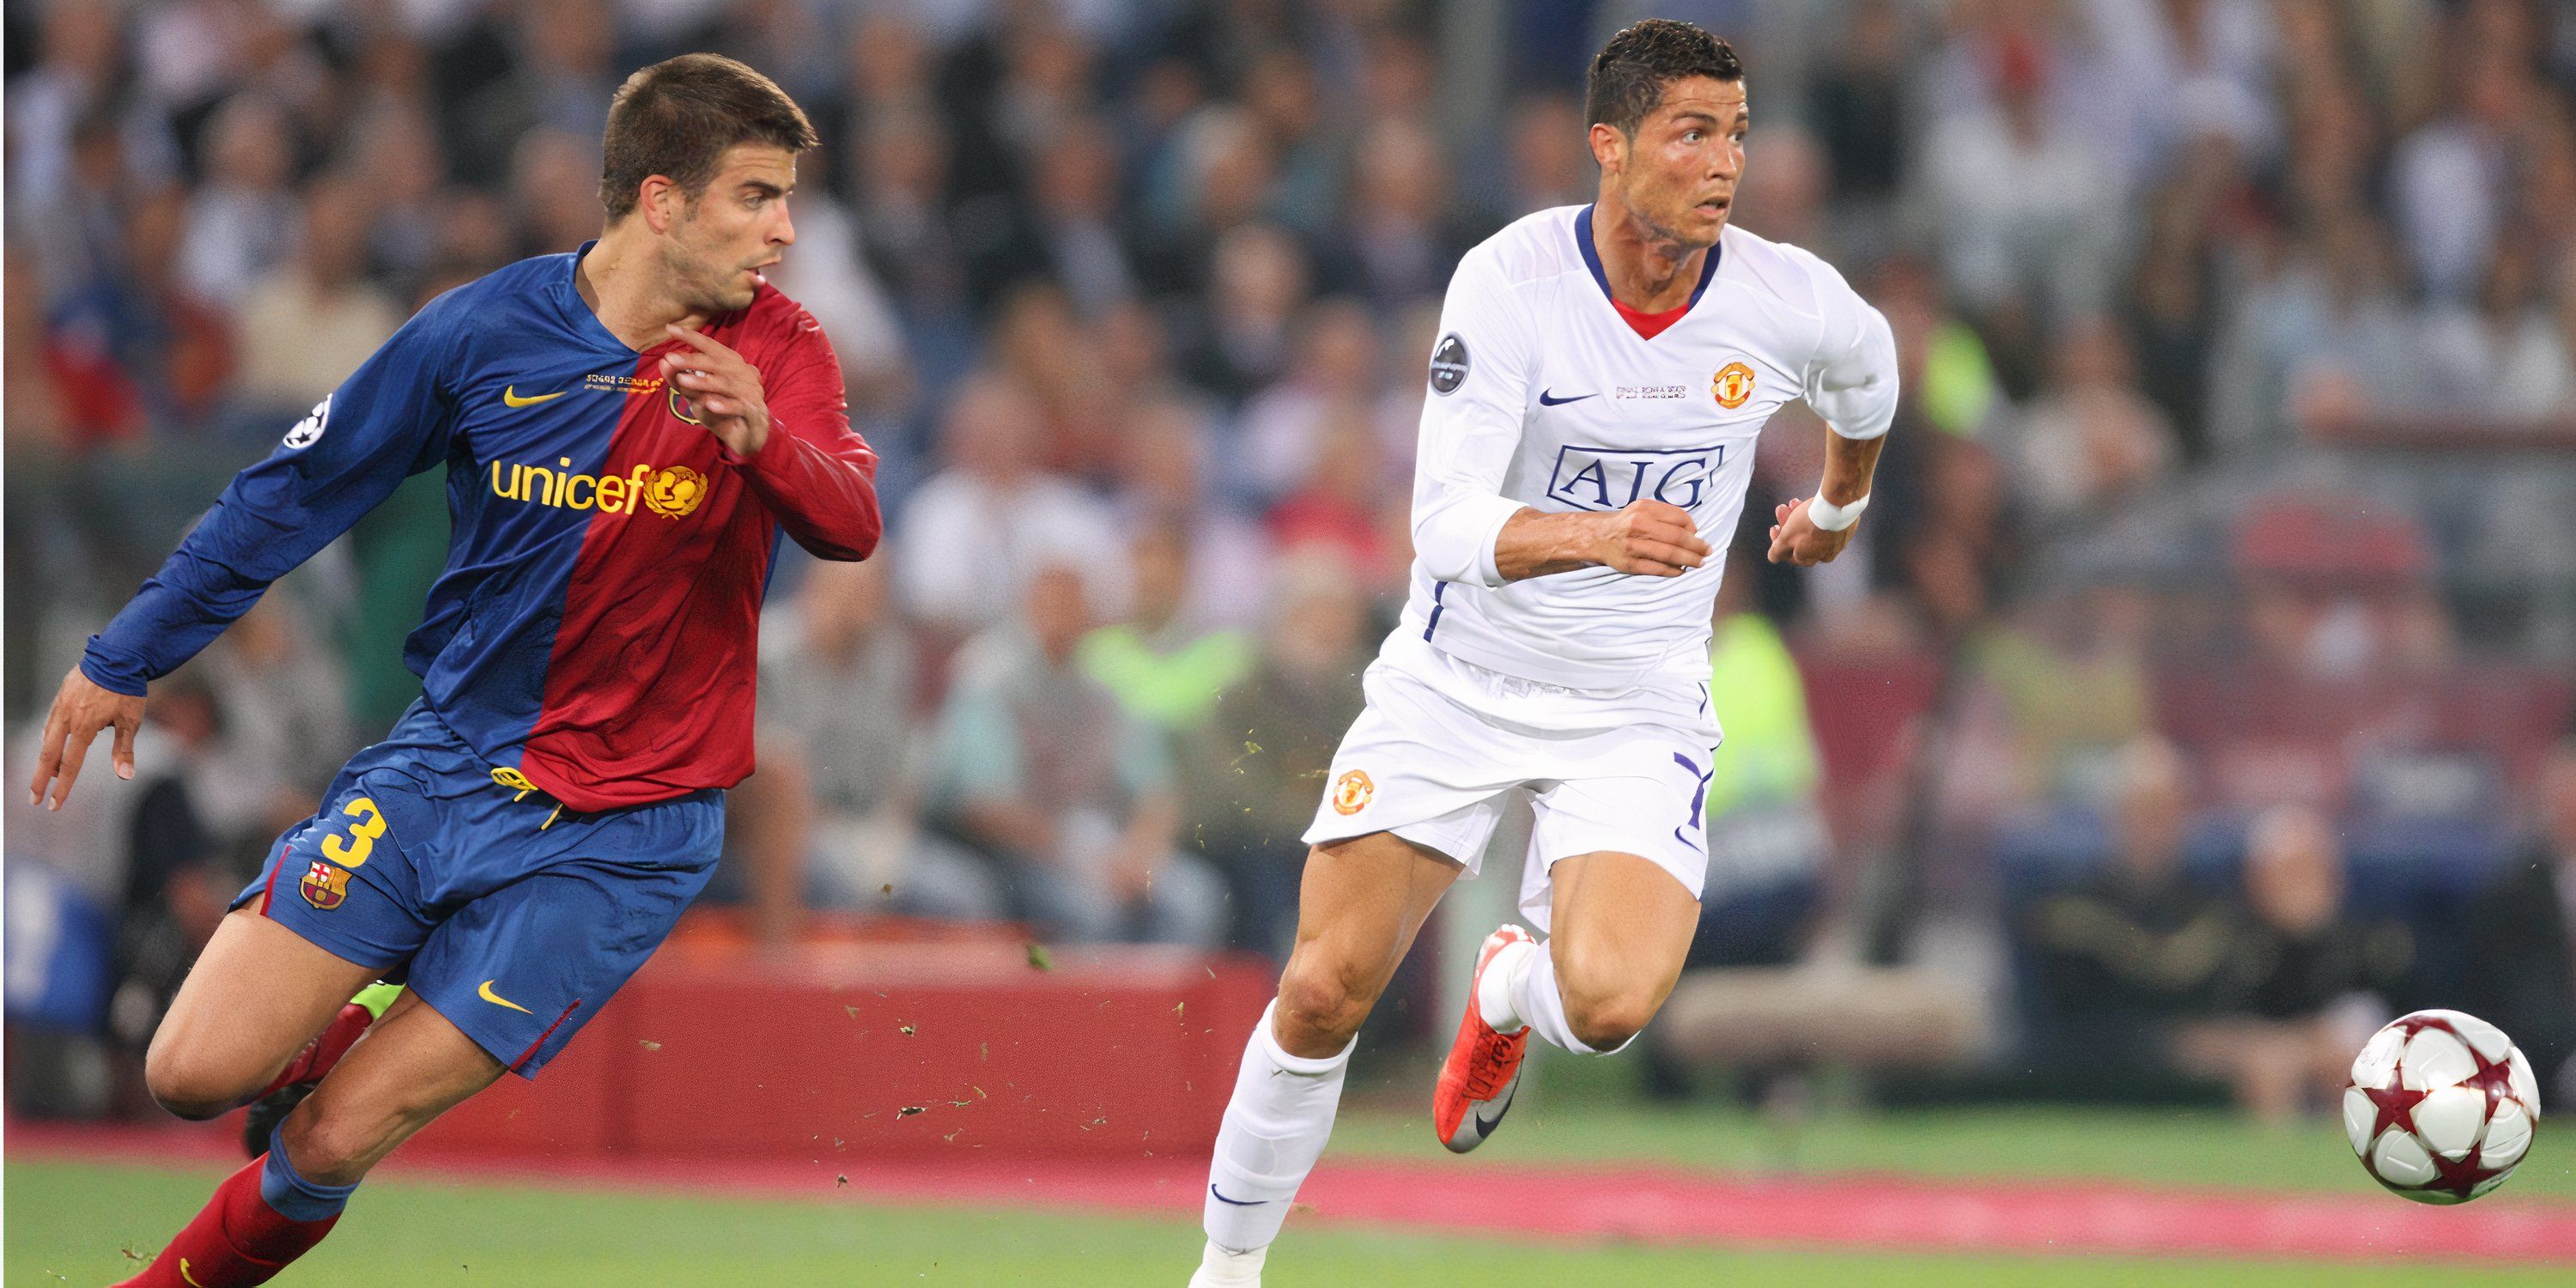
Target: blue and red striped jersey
(595, 627)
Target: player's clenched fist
(81, 709)
(723, 388)
(1796, 539)
(1652, 538)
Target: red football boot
(1484, 1067)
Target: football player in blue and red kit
(628, 430)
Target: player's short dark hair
(677, 117)
(1629, 74)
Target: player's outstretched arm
(391, 419)
(81, 709)
(1648, 538)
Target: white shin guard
(1274, 1130)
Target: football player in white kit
(1586, 444)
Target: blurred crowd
(2233, 496)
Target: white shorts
(1434, 760)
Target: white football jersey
(1543, 396)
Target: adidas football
(2441, 1106)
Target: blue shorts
(518, 917)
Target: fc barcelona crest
(325, 887)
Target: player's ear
(660, 201)
(1609, 147)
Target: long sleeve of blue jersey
(389, 420)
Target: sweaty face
(735, 227)
(1678, 174)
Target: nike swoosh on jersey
(510, 395)
(496, 999)
(1549, 399)
(1236, 1202)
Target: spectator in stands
(2090, 440)
(1035, 763)
(1858, 108)
(2287, 1015)
(2070, 676)
(832, 816)
(177, 877)
(561, 72)
(975, 532)
(89, 317)
(1402, 231)
(2028, 216)
(2137, 945)
(394, 151)
(1162, 474)
(309, 323)
(2506, 359)
(2319, 338)
(1763, 808)
(2522, 935)
(1340, 503)
(76, 75)
(283, 698)
(1069, 231)
(1283, 426)
(1549, 167)
(1280, 97)
(899, 174)
(2448, 181)
(1259, 284)
(1255, 769)
(242, 222)
(1766, 826)
(1166, 668)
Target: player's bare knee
(191, 1087)
(1320, 1006)
(330, 1145)
(1604, 1021)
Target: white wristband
(1831, 517)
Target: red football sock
(237, 1240)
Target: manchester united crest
(675, 491)
(1734, 384)
(1351, 792)
(325, 887)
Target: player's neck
(621, 280)
(1647, 271)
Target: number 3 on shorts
(362, 834)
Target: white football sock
(1538, 1001)
(1274, 1130)
(1502, 979)
(1219, 1268)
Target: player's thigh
(337, 903)
(1623, 926)
(413, 1065)
(256, 995)
(1360, 904)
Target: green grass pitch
(68, 1223)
